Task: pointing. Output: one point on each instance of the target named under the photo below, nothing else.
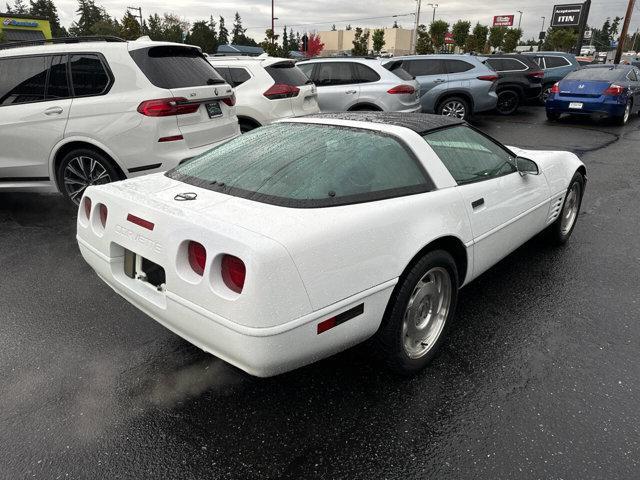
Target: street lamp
(434, 6)
(519, 19)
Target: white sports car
(305, 237)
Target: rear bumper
(596, 109)
(263, 351)
(485, 102)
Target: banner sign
(503, 21)
(566, 15)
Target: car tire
(622, 120)
(553, 116)
(456, 107)
(562, 228)
(544, 94)
(83, 167)
(508, 102)
(433, 279)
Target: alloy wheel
(570, 209)
(82, 172)
(454, 108)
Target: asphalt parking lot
(539, 379)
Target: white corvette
(305, 237)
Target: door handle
(350, 92)
(477, 203)
(53, 111)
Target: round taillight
(87, 207)
(197, 257)
(103, 214)
(233, 273)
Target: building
(397, 41)
(20, 28)
(235, 50)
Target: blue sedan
(611, 91)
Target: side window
(513, 65)
(307, 68)
(424, 67)
(553, 62)
(540, 62)
(88, 75)
(334, 73)
(224, 73)
(632, 76)
(457, 66)
(22, 80)
(496, 63)
(468, 155)
(365, 74)
(238, 75)
(58, 84)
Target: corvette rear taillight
(103, 214)
(87, 207)
(555, 88)
(402, 89)
(231, 101)
(233, 273)
(167, 107)
(197, 257)
(614, 90)
(281, 90)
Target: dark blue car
(611, 91)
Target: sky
(317, 15)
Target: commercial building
(397, 41)
(20, 28)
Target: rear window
(396, 68)
(175, 67)
(307, 165)
(605, 74)
(458, 66)
(287, 73)
(553, 62)
(88, 75)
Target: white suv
(76, 113)
(267, 89)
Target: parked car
(520, 80)
(597, 90)
(75, 113)
(556, 66)
(452, 85)
(347, 84)
(304, 237)
(267, 89)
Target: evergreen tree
(130, 27)
(395, 24)
(47, 9)
(154, 27)
(378, 40)
(20, 8)
(423, 41)
(223, 33)
(333, 27)
(204, 36)
(285, 42)
(437, 30)
(89, 15)
(270, 45)
(360, 43)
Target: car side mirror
(526, 166)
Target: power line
(322, 22)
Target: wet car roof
(418, 122)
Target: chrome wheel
(570, 209)
(81, 172)
(426, 312)
(454, 108)
(627, 113)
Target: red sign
(503, 21)
(448, 39)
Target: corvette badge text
(141, 239)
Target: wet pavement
(540, 377)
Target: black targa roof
(418, 122)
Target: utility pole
(273, 19)
(434, 6)
(519, 19)
(139, 10)
(625, 29)
(541, 33)
(415, 28)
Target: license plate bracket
(576, 105)
(213, 109)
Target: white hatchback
(75, 113)
(267, 89)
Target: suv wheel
(508, 102)
(454, 107)
(82, 168)
(544, 94)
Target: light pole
(434, 6)
(543, 19)
(273, 19)
(541, 33)
(519, 19)
(415, 28)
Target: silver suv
(453, 85)
(347, 84)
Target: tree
(130, 28)
(270, 45)
(286, 48)
(560, 39)
(424, 44)
(154, 27)
(437, 30)
(348, 27)
(496, 37)
(20, 8)
(108, 27)
(395, 24)
(511, 39)
(333, 27)
(203, 35)
(173, 28)
(360, 43)
(47, 9)
(378, 40)
(479, 38)
(460, 32)
(238, 33)
(89, 15)
(223, 33)
(314, 46)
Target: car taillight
(233, 273)
(536, 74)
(231, 101)
(103, 214)
(555, 88)
(614, 90)
(167, 107)
(87, 207)
(281, 90)
(172, 138)
(197, 257)
(402, 89)
(488, 78)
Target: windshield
(604, 74)
(308, 165)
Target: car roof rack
(63, 40)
